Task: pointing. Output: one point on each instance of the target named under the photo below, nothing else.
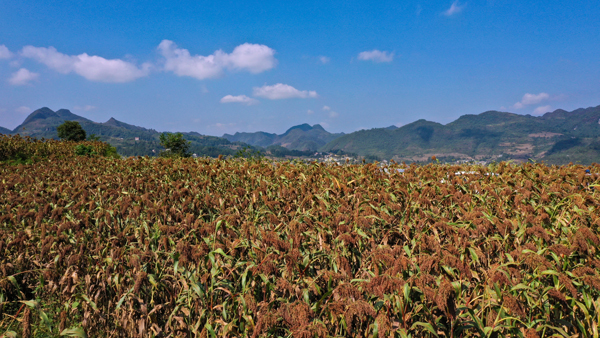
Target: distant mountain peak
(301, 137)
(303, 127)
(42, 113)
(318, 127)
(112, 121)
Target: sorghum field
(138, 247)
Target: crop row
(198, 247)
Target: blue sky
(225, 66)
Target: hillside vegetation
(43, 122)
(302, 137)
(557, 137)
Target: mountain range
(556, 137)
(130, 140)
(303, 137)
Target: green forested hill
(302, 137)
(556, 137)
(129, 140)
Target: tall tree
(175, 144)
(71, 131)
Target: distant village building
(137, 138)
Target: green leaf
(13, 280)
(77, 332)
(244, 276)
(427, 326)
(31, 303)
(92, 304)
(474, 256)
(121, 301)
(521, 286)
(10, 334)
(46, 320)
(152, 280)
(220, 251)
(550, 272)
(210, 330)
(196, 289)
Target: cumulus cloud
(376, 56)
(310, 112)
(541, 110)
(240, 99)
(282, 91)
(5, 53)
(333, 114)
(253, 58)
(23, 110)
(529, 99)
(455, 8)
(324, 59)
(91, 67)
(326, 108)
(22, 77)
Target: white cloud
(310, 112)
(22, 77)
(376, 56)
(253, 58)
(240, 99)
(204, 89)
(326, 108)
(282, 91)
(455, 8)
(85, 108)
(529, 99)
(541, 110)
(23, 110)
(91, 67)
(333, 114)
(324, 59)
(5, 53)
